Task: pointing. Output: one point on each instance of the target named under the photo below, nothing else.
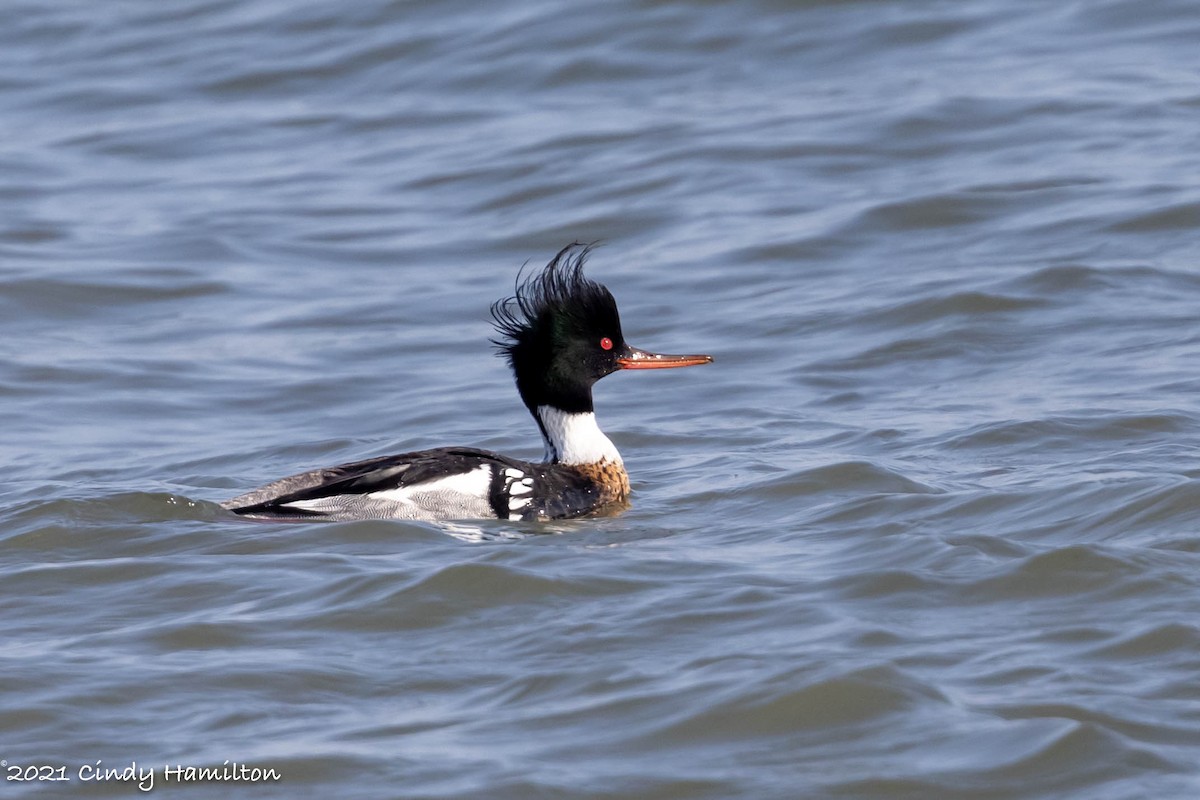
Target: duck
(560, 333)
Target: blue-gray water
(928, 528)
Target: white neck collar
(575, 438)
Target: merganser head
(561, 333)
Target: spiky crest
(559, 293)
(551, 332)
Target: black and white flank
(560, 332)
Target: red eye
(606, 343)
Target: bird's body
(443, 483)
(561, 333)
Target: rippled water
(929, 527)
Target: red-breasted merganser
(560, 333)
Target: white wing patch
(474, 484)
(462, 496)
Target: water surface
(929, 527)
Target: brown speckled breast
(612, 479)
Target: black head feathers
(560, 332)
(557, 300)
